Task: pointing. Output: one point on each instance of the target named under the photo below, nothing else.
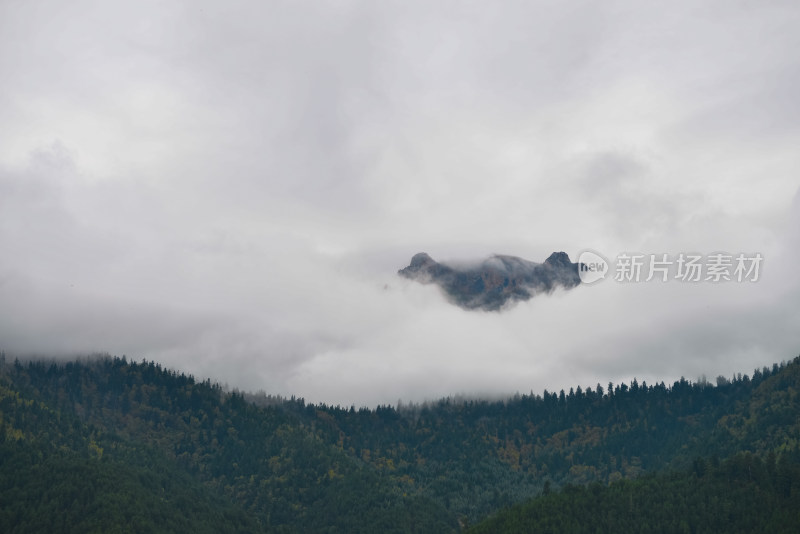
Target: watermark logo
(592, 267)
(627, 267)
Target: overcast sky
(229, 188)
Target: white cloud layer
(230, 188)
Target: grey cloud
(231, 188)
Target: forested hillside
(109, 445)
(740, 495)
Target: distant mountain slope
(496, 281)
(742, 494)
(267, 463)
(59, 475)
(484, 455)
(170, 444)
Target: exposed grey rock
(496, 281)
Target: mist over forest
(399, 266)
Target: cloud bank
(230, 190)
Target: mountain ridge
(295, 467)
(496, 282)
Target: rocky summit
(495, 282)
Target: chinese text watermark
(718, 267)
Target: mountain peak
(495, 282)
(421, 259)
(560, 259)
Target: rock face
(495, 282)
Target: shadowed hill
(745, 493)
(157, 445)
